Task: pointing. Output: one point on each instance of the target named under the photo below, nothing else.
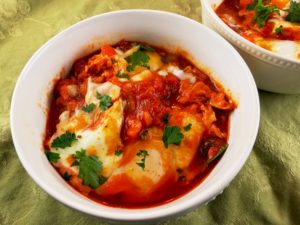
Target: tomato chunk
(108, 50)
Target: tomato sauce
(236, 14)
(147, 104)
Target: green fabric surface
(266, 191)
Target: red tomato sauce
(147, 103)
(237, 16)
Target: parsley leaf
(262, 12)
(123, 75)
(294, 12)
(89, 168)
(172, 135)
(67, 176)
(143, 154)
(52, 156)
(146, 48)
(143, 134)
(89, 108)
(118, 152)
(279, 30)
(102, 179)
(166, 118)
(75, 163)
(220, 152)
(64, 140)
(187, 127)
(105, 101)
(138, 58)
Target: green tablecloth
(266, 191)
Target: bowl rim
(145, 214)
(238, 38)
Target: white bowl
(271, 71)
(31, 96)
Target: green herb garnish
(118, 152)
(279, 30)
(89, 108)
(52, 156)
(187, 127)
(75, 163)
(143, 134)
(123, 75)
(166, 118)
(105, 101)
(102, 179)
(220, 152)
(262, 12)
(143, 154)
(139, 58)
(294, 12)
(67, 176)
(64, 140)
(89, 168)
(172, 135)
(146, 48)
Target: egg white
(94, 137)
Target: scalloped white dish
(272, 71)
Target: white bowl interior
(31, 97)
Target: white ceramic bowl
(31, 96)
(271, 71)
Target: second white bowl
(271, 72)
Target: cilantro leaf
(146, 48)
(143, 154)
(89, 168)
(53, 157)
(294, 12)
(105, 101)
(123, 75)
(220, 152)
(187, 127)
(279, 30)
(143, 134)
(64, 140)
(172, 135)
(89, 108)
(166, 118)
(102, 179)
(75, 163)
(118, 152)
(67, 176)
(262, 12)
(138, 58)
